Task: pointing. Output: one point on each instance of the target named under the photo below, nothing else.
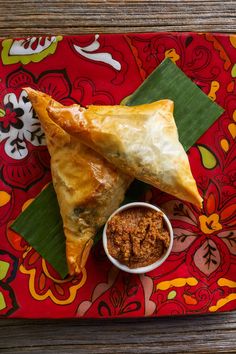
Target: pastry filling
(137, 237)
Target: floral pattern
(8, 268)
(20, 129)
(200, 236)
(189, 52)
(199, 275)
(19, 125)
(96, 51)
(11, 117)
(28, 49)
(44, 282)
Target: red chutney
(137, 236)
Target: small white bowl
(152, 266)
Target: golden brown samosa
(142, 141)
(88, 187)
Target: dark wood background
(202, 334)
(23, 17)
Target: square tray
(200, 274)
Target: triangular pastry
(88, 187)
(142, 141)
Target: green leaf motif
(209, 159)
(2, 113)
(4, 266)
(172, 294)
(2, 302)
(233, 71)
(13, 50)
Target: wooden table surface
(202, 334)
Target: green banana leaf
(194, 112)
(40, 224)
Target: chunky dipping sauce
(137, 237)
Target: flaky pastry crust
(142, 141)
(88, 187)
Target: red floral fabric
(200, 274)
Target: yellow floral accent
(226, 282)
(213, 89)
(49, 294)
(232, 39)
(177, 282)
(232, 130)
(224, 144)
(171, 54)
(26, 204)
(210, 224)
(234, 115)
(223, 301)
(4, 198)
(220, 303)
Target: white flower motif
(19, 125)
(25, 46)
(90, 53)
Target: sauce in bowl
(137, 236)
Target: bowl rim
(152, 266)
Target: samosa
(88, 187)
(142, 141)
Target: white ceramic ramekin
(152, 266)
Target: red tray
(200, 274)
